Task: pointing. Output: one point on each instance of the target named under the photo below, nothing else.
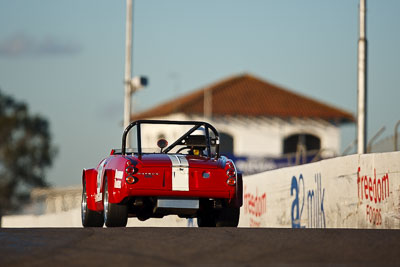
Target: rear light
(231, 181)
(231, 173)
(130, 170)
(131, 179)
(230, 164)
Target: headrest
(195, 140)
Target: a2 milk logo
(310, 203)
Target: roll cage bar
(196, 125)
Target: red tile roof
(246, 95)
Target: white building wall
(326, 132)
(264, 137)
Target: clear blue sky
(66, 60)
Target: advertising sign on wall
(356, 191)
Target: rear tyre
(115, 215)
(228, 217)
(206, 215)
(205, 220)
(90, 218)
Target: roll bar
(196, 125)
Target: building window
(226, 144)
(309, 141)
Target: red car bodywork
(132, 179)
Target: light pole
(128, 64)
(362, 82)
(131, 84)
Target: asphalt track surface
(198, 247)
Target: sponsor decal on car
(148, 174)
(119, 174)
(99, 196)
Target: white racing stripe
(180, 173)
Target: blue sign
(253, 165)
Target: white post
(207, 104)
(362, 82)
(128, 67)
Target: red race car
(187, 177)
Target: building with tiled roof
(259, 121)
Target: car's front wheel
(115, 215)
(90, 218)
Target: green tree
(25, 153)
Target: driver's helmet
(197, 141)
(199, 132)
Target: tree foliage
(25, 153)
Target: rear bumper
(119, 196)
(121, 191)
(185, 203)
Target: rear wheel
(90, 218)
(206, 215)
(115, 215)
(228, 217)
(206, 220)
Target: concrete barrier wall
(356, 191)
(72, 218)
